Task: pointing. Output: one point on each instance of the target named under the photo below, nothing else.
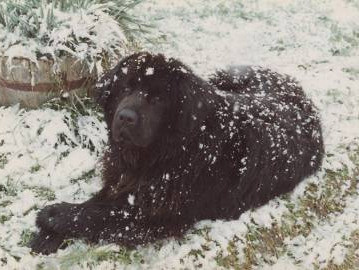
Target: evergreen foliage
(54, 28)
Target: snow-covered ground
(50, 155)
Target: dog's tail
(234, 79)
(248, 79)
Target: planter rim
(44, 87)
(64, 83)
(45, 60)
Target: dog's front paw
(56, 218)
(47, 242)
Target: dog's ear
(103, 88)
(194, 103)
(112, 81)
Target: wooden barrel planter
(31, 84)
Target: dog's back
(278, 121)
(252, 79)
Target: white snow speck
(149, 71)
(131, 199)
(124, 70)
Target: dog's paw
(47, 242)
(56, 217)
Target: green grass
(26, 236)
(43, 192)
(4, 218)
(86, 177)
(316, 205)
(352, 72)
(90, 256)
(3, 160)
(75, 108)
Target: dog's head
(148, 96)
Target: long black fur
(228, 145)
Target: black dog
(182, 150)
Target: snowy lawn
(53, 154)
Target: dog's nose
(128, 117)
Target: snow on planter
(31, 84)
